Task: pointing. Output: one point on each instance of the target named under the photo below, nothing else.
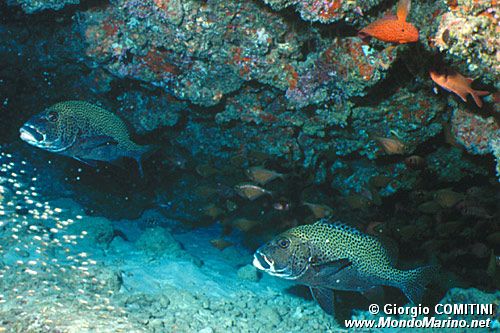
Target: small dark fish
(447, 198)
(329, 257)
(358, 201)
(282, 205)
(220, 243)
(213, 211)
(245, 224)
(471, 208)
(250, 191)
(206, 170)
(319, 211)
(392, 146)
(380, 181)
(429, 207)
(475, 211)
(262, 175)
(83, 131)
(415, 162)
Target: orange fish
(457, 83)
(392, 28)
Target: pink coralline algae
(211, 54)
(325, 11)
(474, 132)
(323, 76)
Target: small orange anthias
(458, 84)
(392, 28)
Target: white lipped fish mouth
(259, 264)
(31, 135)
(263, 263)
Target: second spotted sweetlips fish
(392, 28)
(83, 131)
(329, 257)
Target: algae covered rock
(325, 11)
(249, 273)
(148, 111)
(468, 37)
(158, 242)
(33, 6)
(453, 164)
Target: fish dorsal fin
(403, 9)
(325, 299)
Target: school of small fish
(39, 249)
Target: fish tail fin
(142, 153)
(415, 281)
(364, 36)
(476, 94)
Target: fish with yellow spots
(329, 257)
(83, 131)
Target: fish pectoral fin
(375, 294)
(332, 267)
(90, 143)
(90, 163)
(462, 95)
(325, 299)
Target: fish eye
(283, 243)
(53, 116)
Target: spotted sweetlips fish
(392, 28)
(333, 256)
(83, 131)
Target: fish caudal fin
(416, 280)
(476, 94)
